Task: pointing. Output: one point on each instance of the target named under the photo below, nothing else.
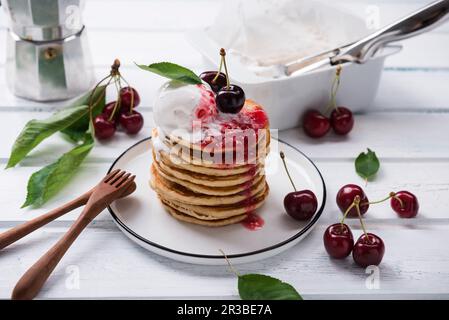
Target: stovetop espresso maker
(48, 56)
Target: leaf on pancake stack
(172, 71)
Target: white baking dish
(286, 99)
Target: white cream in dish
(265, 33)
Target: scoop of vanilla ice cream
(180, 109)
(174, 107)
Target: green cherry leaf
(35, 131)
(262, 287)
(172, 71)
(367, 164)
(73, 121)
(46, 182)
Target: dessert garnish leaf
(367, 164)
(262, 287)
(73, 121)
(172, 71)
(46, 182)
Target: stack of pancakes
(202, 191)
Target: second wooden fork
(108, 190)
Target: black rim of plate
(240, 255)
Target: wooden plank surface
(392, 135)
(111, 266)
(428, 179)
(406, 126)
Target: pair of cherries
(404, 203)
(369, 249)
(120, 112)
(229, 98)
(317, 125)
(339, 243)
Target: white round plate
(143, 219)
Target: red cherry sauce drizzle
(253, 222)
(220, 128)
(217, 127)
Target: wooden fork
(108, 190)
(18, 232)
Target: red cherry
(342, 120)
(301, 205)
(209, 77)
(368, 250)
(104, 129)
(126, 95)
(345, 198)
(132, 122)
(338, 240)
(109, 108)
(230, 99)
(315, 124)
(408, 206)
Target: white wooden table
(408, 127)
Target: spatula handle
(421, 21)
(32, 281)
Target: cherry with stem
(300, 205)
(369, 249)
(341, 118)
(231, 98)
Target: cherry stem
(390, 195)
(219, 70)
(223, 59)
(231, 267)
(346, 212)
(132, 93)
(286, 169)
(357, 207)
(118, 102)
(334, 90)
(91, 96)
(114, 68)
(123, 78)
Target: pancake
(173, 191)
(217, 145)
(220, 212)
(207, 223)
(179, 153)
(208, 186)
(176, 162)
(202, 186)
(207, 180)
